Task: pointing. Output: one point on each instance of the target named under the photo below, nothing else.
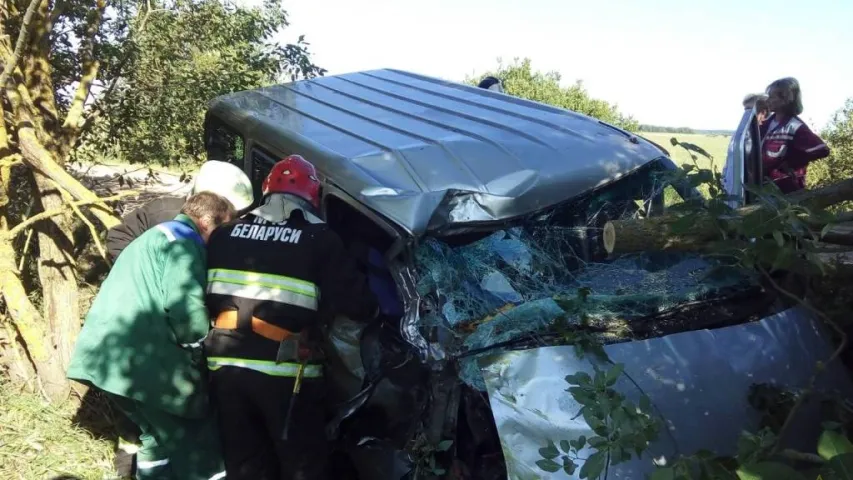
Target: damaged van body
(477, 216)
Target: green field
(716, 145)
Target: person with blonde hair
(787, 143)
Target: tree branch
(801, 399)
(97, 108)
(94, 232)
(802, 456)
(39, 159)
(11, 160)
(17, 229)
(11, 63)
(23, 313)
(89, 74)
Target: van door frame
(329, 189)
(212, 121)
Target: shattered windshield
(517, 281)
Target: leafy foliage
(839, 137)
(773, 234)
(425, 454)
(776, 235)
(621, 428)
(186, 53)
(520, 80)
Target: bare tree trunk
(28, 322)
(60, 301)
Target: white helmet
(223, 178)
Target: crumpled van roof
(430, 154)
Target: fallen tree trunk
(840, 234)
(838, 263)
(656, 233)
(824, 196)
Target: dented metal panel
(697, 381)
(427, 153)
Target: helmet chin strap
(277, 207)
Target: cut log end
(609, 237)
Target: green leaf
(549, 452)
(704, 455)
(831, 425)
(548, 465)
(831, 444)
(839, 467)
(785, 257)
(645, 404)
(688, 167)
(614, 373)
(780, 240)
(444, 445)
(568, 465)
(665, 473)
(596, 442)
(768, 471)
(815, 259)
(581, 441)
(565, 446)
(825, 230)
(594, 466)
(583, 378)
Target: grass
(715, 145)
(39, 442)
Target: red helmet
(296, 176)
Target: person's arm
(343, 288)
(809, 147)
(184, 284)
(138, 221)
(132, 225)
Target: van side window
(225, 144)
(262, 163)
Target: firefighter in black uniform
(273, 277)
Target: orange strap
(228, 320)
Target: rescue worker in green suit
(141, 343)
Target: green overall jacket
(140, 339)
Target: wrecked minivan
(478, 217)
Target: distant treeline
(658, 129)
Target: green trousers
(174, 448)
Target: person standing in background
(787, 143)
(491, 83)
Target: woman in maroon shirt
(787, 143)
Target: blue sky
(667, 62)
